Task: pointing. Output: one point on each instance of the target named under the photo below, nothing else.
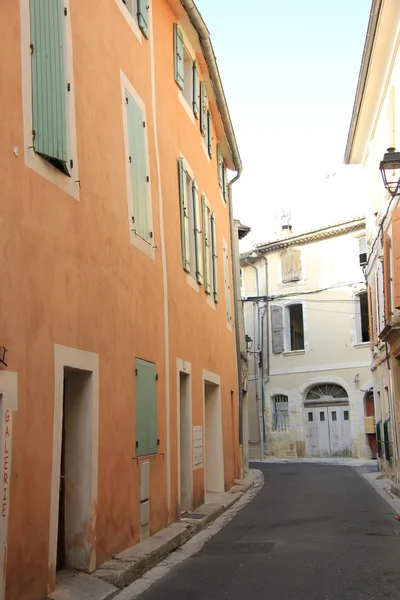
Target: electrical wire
(291, 294)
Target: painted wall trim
(333, 367)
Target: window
(49, 84)
(209, 133)
(291, 265)
(205, 209)
(334, 418)
(190, 223)
(362, 324)
(222, 177)
(138, 170)
(227, 280)
(140, 10)
(146, 408)
(186, 72)
(346, 415)
(280, 410)
(310, 417)
(319, 392)
(362, 250)
(322, 416)
(203, 110)
(214, 256)
(387, 268)
(295, 329)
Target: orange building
(118, 378)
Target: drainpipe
(259, 386)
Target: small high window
(291, 265)
(362, 250)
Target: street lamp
(390, 170)
(249, 342)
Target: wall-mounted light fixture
(249, 342)
(390, 171)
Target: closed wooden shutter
(219, 166)
(214, 257)
(195, 90)
(227, 282)
(396, 255)
(277, 329)
(209, 134)
(146, 408)
(143, 17)
(197, 233)
(137, 168)
(184, 215)
(206, 245)
(49, 84)
(203, 109)
(387, 289)
(291, 265)
(179, 57)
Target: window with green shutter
(214, 257)
(143, 17)
(184, 214)
(137, 167)
(227, 282)
(197, 234)
(220, 166)
(209, 134)
(206, 244)
(179, 57)
(195, 90)
(146, 408)
(203, 110)
(49, 83)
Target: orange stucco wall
(71, 276)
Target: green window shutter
(197, 233)
(203, 110)
(49, 84)
(179, 57)
(220, 164)
(184, 215)
(137, 169)
(146, 408)
(224, 183)
(209, 134)
(195, 90)
(143, 17)
(227, 284)
(214, 257)
(206, 246)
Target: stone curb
(127, 566)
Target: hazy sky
(290, 70)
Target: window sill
(192, 282)
(142, 245)
(361, 345)
(186, 106)
(130, 20)
(293, 352)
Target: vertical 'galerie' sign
(6, 465)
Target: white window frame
(69, 185)
(357, 316)
(131, 19)
(225, 249)
(191, 276)
(380, 300)
(191, 54)
(286, 328)
(142, 245)
(359, 238)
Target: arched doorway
(327, 421)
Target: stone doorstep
(395, 489)
(127, 566)
(73, 585)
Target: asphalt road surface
(313, 532)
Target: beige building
(306, 321)
(373, 130)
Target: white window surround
(142, 245)
(286, 329)
(132, 22)
(289, 284)
(188, 48)
(190, 280)
(226, 246)
(357, 316)
(210, 296)
(69, 185)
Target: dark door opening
(61, 506)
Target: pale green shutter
(146, 408)
(137, 169)
(195, 90)
(206, 246)
(197, 233)
(49, 84)
(224, 183)
(219, 166)
(214, 257)
(209, 134)
(184, 215)
(203, 112)
(179, 57)
(277, 329)
(227, 284)
(143, 17)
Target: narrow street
(314, 531)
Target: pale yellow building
(306, 320)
